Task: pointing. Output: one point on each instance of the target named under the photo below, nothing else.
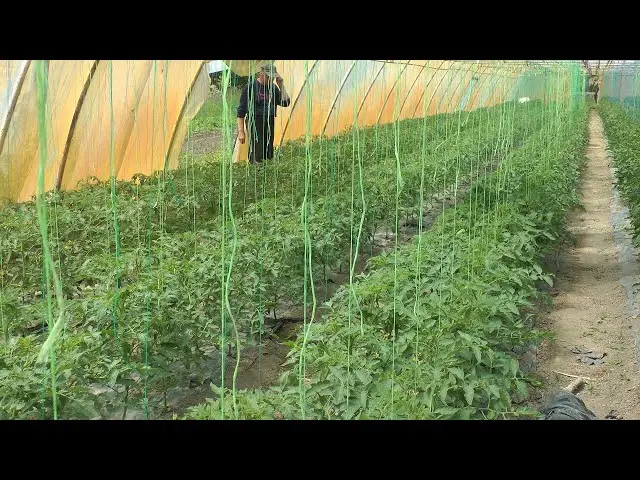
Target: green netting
(619, 85)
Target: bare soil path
(591, 314)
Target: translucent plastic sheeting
(130, 117)
(362, 93)
(121, 116)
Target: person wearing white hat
(259, 102)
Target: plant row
(428, 332)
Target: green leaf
(469, 393)
(363, 376)
(338, 373)
(466, 336)
(363, 398)
(512, 308)
(465, 413)
(114, 377)
(215, 389)
(522, 388)
(383, 387)
(476, 352)
(457, 371)
(350, 412)
(446, 411)
(443, 393)
(494, 390)
(513, 364)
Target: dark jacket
(266, 99)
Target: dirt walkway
(590, 310)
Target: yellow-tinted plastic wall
(123, 116)
(130, 117)
(330, 96)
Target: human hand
(241, 137)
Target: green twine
(114, 204)
(149, 236)
(41, 69)
(4, 320)
(308, 271)
(227, 129)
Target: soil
(257, 371)
(202, 143)
(262, 371)
(590, 305)
(590, 311)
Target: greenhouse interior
(319, 239)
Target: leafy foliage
(210, 117)
(432, 338)
(622, 129)
(426, 332)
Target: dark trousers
(260, 136)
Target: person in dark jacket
(259, 102)
(596, 89)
